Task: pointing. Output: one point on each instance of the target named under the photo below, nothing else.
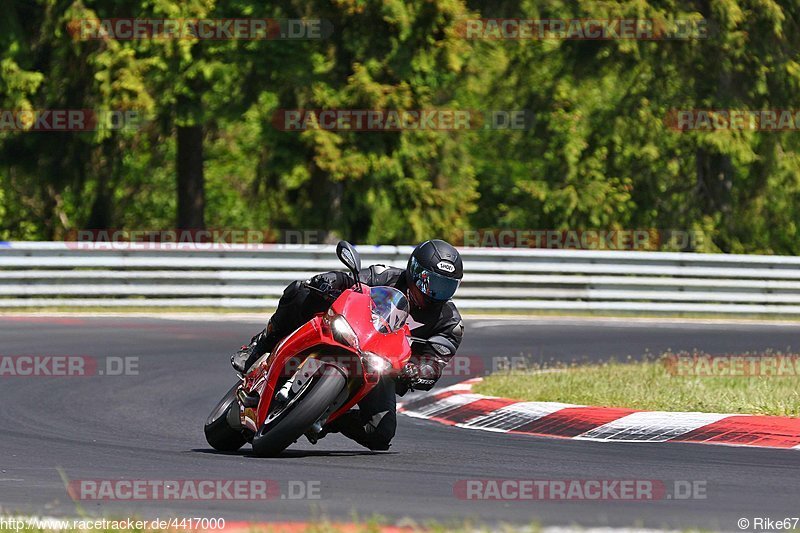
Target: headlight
(375, 364)
(342, 331)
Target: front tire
(298, 418)
(219, 434)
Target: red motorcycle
(318, 372)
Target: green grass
(648, 386)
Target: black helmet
(433, 273)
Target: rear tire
(298, 418)
(219, 434)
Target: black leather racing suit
(373, 424)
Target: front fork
(304, 373)
(247, 414)
(307, 370)
(247, 419)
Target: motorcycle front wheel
(299, 415)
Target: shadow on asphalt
(295, 454)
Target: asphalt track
(149, 426)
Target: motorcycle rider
(430, 279)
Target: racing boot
(262, 343)
(353, 427)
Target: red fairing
(356, 308)
(316, 337)
(303, 338)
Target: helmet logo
(447, 267)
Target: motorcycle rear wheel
(219, 434)
(299, 416)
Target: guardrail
(59, 274)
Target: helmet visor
(433, 285)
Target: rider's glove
(407, 378)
